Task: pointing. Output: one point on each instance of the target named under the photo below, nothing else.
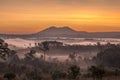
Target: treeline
(32, 68)
(54, 71)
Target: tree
(9, 76)
(97, 72)
(5, 52)
(108, 56)
(74, 72)
(44, 48)
(100, 48)
(30, 55)
(72, 56)
(58, 75)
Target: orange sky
(29, 16)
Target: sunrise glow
(32, 16)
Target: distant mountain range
(65, 32)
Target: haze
(29, 16)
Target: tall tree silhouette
(44, 48)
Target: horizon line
(59, 27)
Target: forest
(104, 66)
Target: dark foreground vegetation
(106, 67)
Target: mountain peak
(53, 31)
(66, 27)
(59, 28)
(52, 27)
